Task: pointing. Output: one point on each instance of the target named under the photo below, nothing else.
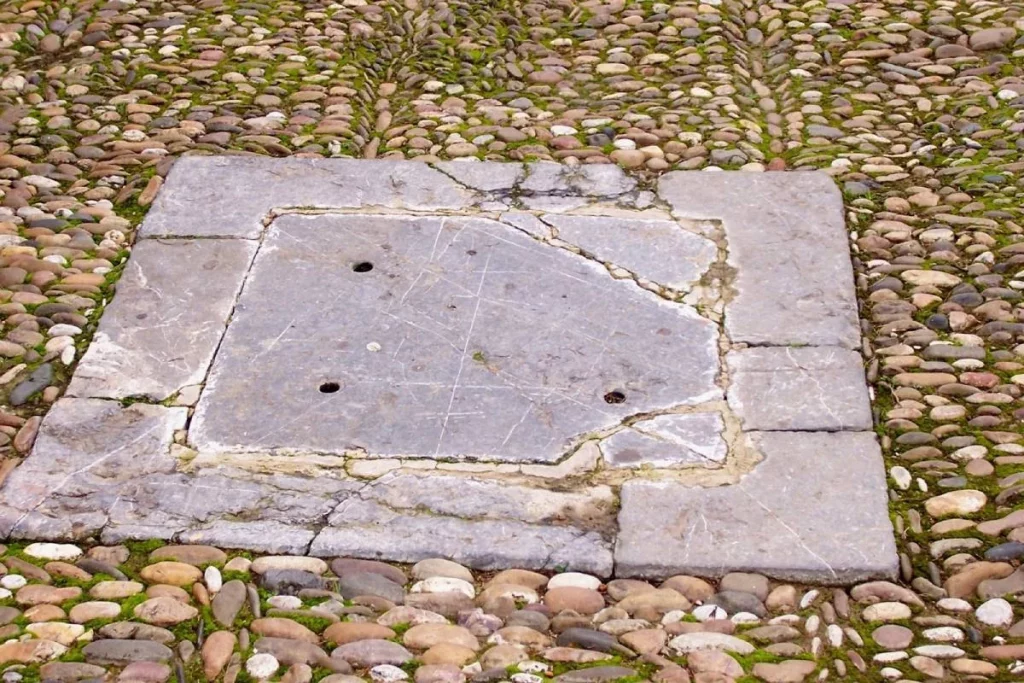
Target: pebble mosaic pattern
(913, 106)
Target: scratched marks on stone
(446, 337)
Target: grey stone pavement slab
(86, 451)
(231, 196)
(487, 524)
(788, 244)
(659, 250)
(161, 330)
(370, 530)
(815, 510)
(467, 339)
(427, 367)
(799, 388)
(669, 441)
(604, 180)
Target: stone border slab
(812, 388)
(86, 452)
(788, 244)
(163, 327)
(781, 285)
(815, 510)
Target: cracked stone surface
(467, 339)
(522, 365)
(777, 226)
(798, 388)
(668, 440)
(88, 450)
(679, 260)
(815, 508)
(160, 333)
(196, 203)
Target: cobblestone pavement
(913, 106)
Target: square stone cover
(523, 365)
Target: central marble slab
(448, 337)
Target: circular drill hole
(615, 397)
(329, 387)
(363, 267)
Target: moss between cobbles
(18, 550)
(233, 575)
(644, 670)
(139, 557)
(400, 630)
(316, 624)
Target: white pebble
(13, 581)
(745, 618)
(386, 673)
(708, 612)
(673, 617)
(64, 330)
(526, 678)
(939, 651)
(213, 579)
(901, 475)
(574, 580)
(943, 634)
(53, 551)
(444, 584)
(889, 657)
(954, 605)
(996, 612)
(285, 602)
(808, 598)
(262, 666)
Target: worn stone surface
(382, 372)
(160, 333)
(467, 339)
(801, 389)
(669, 441)
(776, 226)
(369, 530)
(658, 250)
(88, 451)
(194, 201)
(775, 520)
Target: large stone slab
(441, 337)
(657, 250)
(798, 388)
(793, 282)
(86, 451)
(669, 441)
(488, 523)
(814, 510)
(504, 364)
(233, 196)
(160, 332)
(368, 529)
